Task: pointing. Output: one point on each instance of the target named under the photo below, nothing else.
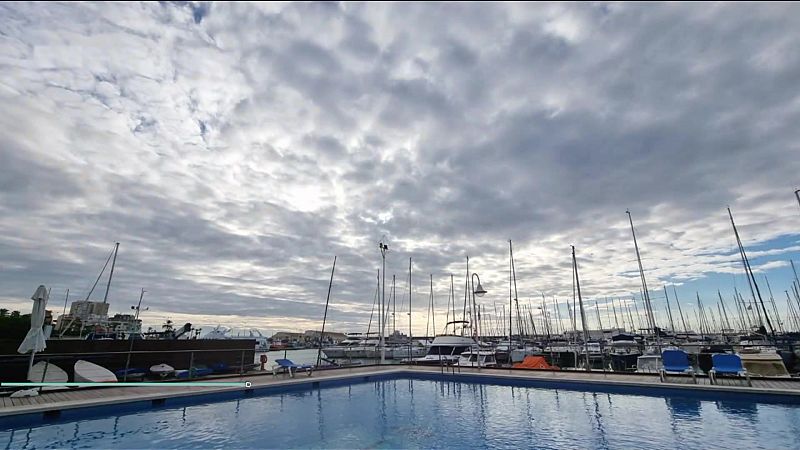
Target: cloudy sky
(234, 149)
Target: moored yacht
(446, 349)
(222, 332)
(345, 347)
(624, 352)
(477, 358)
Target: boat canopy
(535, 362)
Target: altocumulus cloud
(234, 148)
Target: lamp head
(480, 291)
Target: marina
(399, 225)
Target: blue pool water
(420, 413)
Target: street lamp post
(480, 292)
(383, 247)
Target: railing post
(241, 367)
(44, 372)
(191, 364)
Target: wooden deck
(79, 398)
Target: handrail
(52, 355)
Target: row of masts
(546, 319)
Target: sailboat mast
(324, 318)
(453, 296)
(583, 312)
(433, 311)
(597, 310)
(510, 295)
(774, 307)
(466, 291)
(394, 305)
(680, 311)
(724, 311)
(66, 299)
(669, 310)
(648, 306)
(409, 308)
(520, 319)
(749, 271)
(111, 274)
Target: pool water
(415, 413)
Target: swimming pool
(431, 412)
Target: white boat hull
(52, 374)
(162, 370)
(87, 372)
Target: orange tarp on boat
(534, 362)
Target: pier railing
(16, 366)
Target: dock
(56, 401)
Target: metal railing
(51, 358)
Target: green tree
(3, 312)
(15, 314)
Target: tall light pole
(383, 247)
(480, 292)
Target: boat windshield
(447, 350)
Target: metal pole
(648, 306)
(791, 261)
(453, 296)
(409, 308)
(130, 347)
(111, 274)
(749, 272)
(774, 307)
(680, 311)
(792, 311)
(724, 311)
(466, 299)
(325, 317)
(616, 318)
(475, 315)
(433, 310)
(66, 299)
(580, 303)
(383, 248)
(191, 365)
(597, 310)
(510, 295)
(669, 310)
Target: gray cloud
(235, 148)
